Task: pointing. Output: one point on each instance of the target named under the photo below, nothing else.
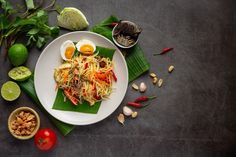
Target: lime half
(10, 91)
(72, 18)
(20, 73)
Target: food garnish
(135, 86)
(142, 87)
(164, 51)
(134, 114)
(160, 82)
(154, 81)
(121, 118)
(127, 111)
(126, 33)
(20, 73)
(137, 105)
(153, 75)
(144, 98)
(33, 24)
(45, 139)
(67, 50)
(10, 91)
(86, 47)
(17, 54)
(171, 68)
(24, 124)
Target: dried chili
(137, 105)
(144, 98)
(165, 50)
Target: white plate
(45, 85)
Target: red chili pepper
(114, 75)
(144, 98)
(86, 65)
(137, 105)
(113, 24)
(134, 104)
(165, 50)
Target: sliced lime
(20, 73)
(72, 18)
(10, 91)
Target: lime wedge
(20, 73)
(72, 19)
(10, 91)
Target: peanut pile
(24, 124)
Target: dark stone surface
(194, 114)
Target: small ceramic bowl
(13, 117)
(122, 46)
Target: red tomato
(45, 139)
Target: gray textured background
(194, 114)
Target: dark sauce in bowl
(125, 34)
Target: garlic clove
(142, 87)
(127, 111)
(121, 118)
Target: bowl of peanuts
(23, 123)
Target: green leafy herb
(7, 7)
(33, 24)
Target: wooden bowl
(13, 117)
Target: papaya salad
(85, 76)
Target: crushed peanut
(24, 124)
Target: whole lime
(17, 54)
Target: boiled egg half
(67, 50)
(86, 47)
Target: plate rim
(126, 70)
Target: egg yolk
(87, 49)
(69, 52)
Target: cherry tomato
(45, 139)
